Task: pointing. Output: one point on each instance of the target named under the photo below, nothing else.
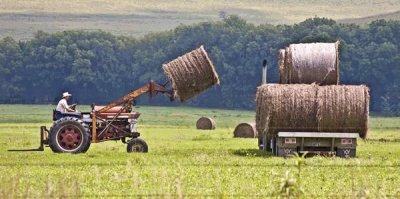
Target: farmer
(63, 109)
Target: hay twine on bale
(310, 63)
(191, 74)
(312, 108)
(245, 130)
(205, 123)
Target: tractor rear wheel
(69, 135)
(137, 145)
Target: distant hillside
(388, 16)
(20, 19)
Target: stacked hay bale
(343, 109)
(282, 107)
(281, 64)
(205, 123)
(310, 63)
(191, 74)
(245, 130)
(312, 108)
(308, 98)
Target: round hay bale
(310, 63)
(191, 74)
(346, 107)
(282, 70)
(312, 108)
(286, 107)
(205, 123)
(245, 130)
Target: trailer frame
(284, 144)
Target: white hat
(66, 94)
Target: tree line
(100, 67)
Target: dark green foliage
(10, 70)
(100, 67)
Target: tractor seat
(58, 115)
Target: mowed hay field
(185, 162)
(20, 19)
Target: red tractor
(188, 76)
(74, 132)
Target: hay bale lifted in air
(245, 130)
(310, 63)
(205, 123)
(191, 74)
(312, 108)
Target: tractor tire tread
(56, 125)
(137, 140)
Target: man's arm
(65, 105)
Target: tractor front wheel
(69, 135)
(137, 145)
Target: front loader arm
(152, 88)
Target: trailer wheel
(69, 135)
(137, 145)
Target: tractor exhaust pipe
(264, 72)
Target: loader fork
(44, 140)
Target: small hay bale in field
(312, 108)
(191, 74)
(311, 63)
(245, 130)
(205, 123)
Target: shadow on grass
(252, 153)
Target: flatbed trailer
(314, 143)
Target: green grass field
(20, 19)
(185, 162)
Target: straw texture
(191, 74)
(303, 108)
(245, 130)
(310, 63)
(205, 123)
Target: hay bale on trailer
(310, 63)
(312, 108)
(282, 70)
(205, 123)
(245, 130)
(346, 107)
(285, 107)
(191, 74)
